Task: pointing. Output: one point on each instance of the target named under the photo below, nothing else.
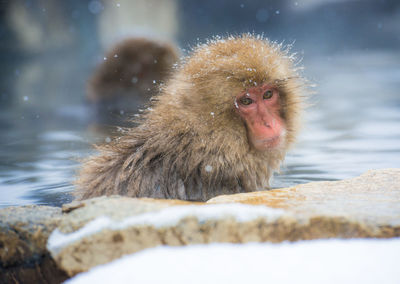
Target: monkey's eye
(268, 94)
(246, 101)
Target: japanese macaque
(221, 125)
(130, 73)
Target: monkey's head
(130, 68)
(221, 124)
(243, 92)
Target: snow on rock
(58, 240)
(163, 218)
(322, 261)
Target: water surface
(352, 126)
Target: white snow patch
(58, 240)
(164, 218)
(323, 261)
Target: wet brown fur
(191, 144)
(129, 69)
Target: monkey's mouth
(267, 143)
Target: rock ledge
(364, 207)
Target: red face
(259, 107)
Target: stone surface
(373, 197)
(24, 231)
(23, 237)
(116, 207)
(366, 206)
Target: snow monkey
(221, 125)
(129, 74)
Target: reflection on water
(38, 157)
(352, 126)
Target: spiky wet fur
(191, 144)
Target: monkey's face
(259, 107)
